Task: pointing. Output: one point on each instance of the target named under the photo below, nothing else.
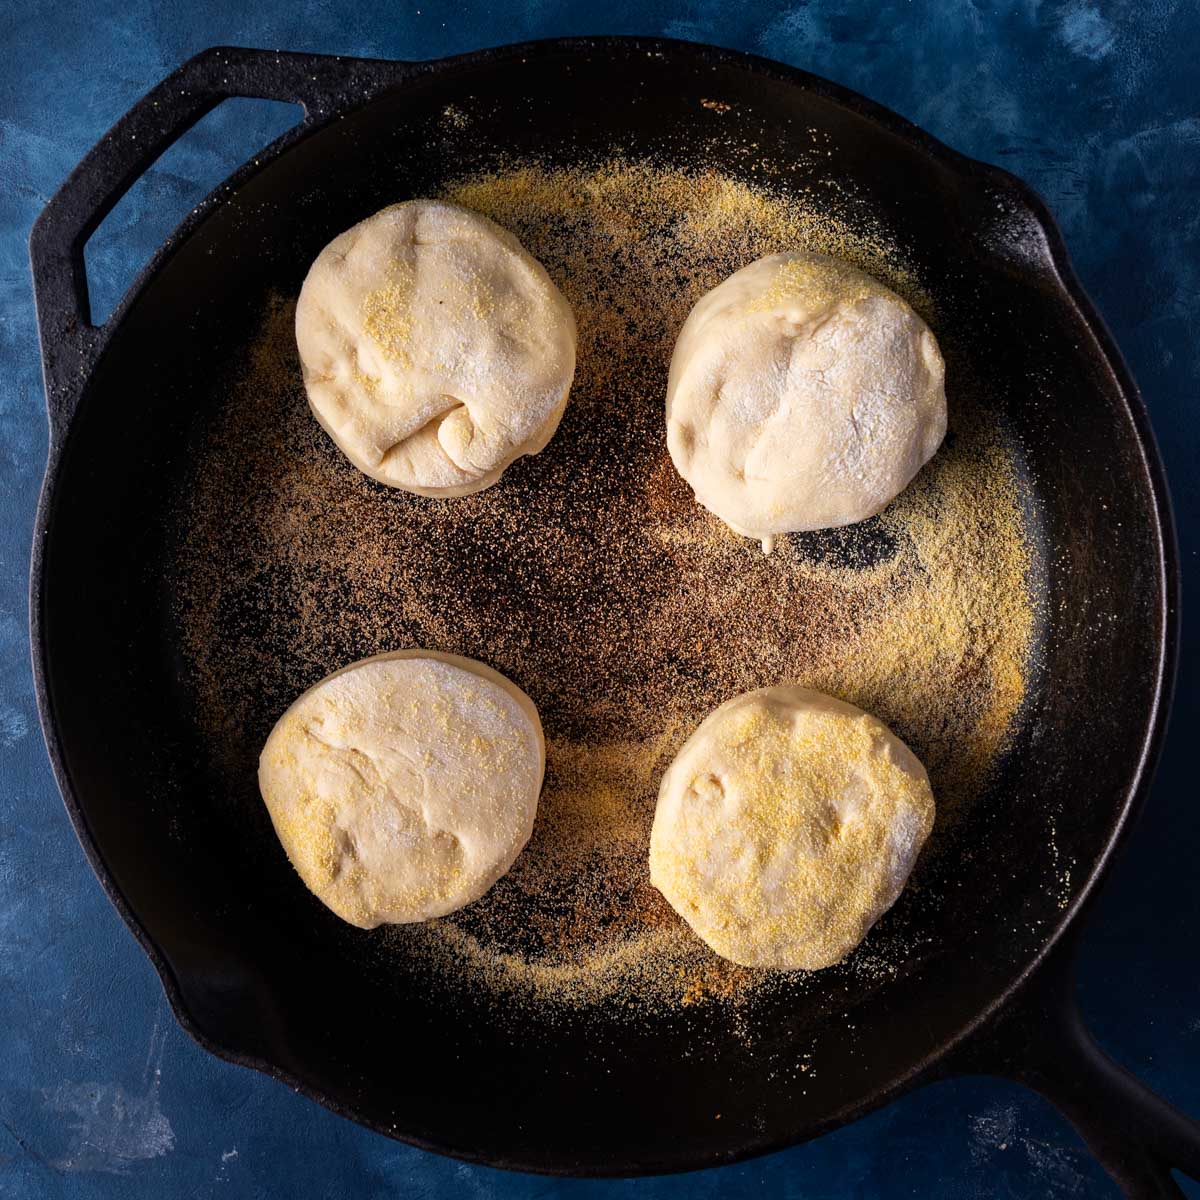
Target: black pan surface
(250, 971)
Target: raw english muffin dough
(803, 394)
(403, 786)
(435, 350)
(786, 826)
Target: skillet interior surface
(260, 973)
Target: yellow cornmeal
(820, 283)
(387, 319)
(590, 577)
(787, 824)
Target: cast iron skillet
(592, 1095)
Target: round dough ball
(803, 394)
(435, 350)
(403, 786)
(786, 826)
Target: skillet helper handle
(70, 342)
(1042, 1042)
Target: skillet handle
(71, 344)
(1040, 1041)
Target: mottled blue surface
(1095, 104)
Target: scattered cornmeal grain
(591, 578)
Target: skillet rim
(389, 75)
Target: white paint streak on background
(1085, 32)
(999, 1130)
(111, 1129)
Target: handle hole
(171, 187)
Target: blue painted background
(1096, 104)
